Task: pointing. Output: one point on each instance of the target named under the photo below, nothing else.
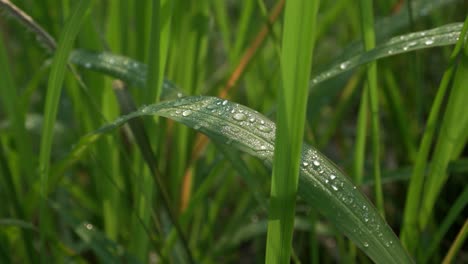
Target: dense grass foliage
(367, 98)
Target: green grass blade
(457, 244)
(436, 37)
(131, 71)
(455, 211)
(321, 183)
(367, 25)
(398, 109)
(157, 54)
(410, 231)
(360, 145)
(54, 88)
(452, 135)
(296, 58)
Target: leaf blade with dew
(134, 72)
(436, 37)
(321, 183)
(126, 69)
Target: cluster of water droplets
(319, 168)
(419, 40)
(249, 129)
(440, 36)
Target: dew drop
(334, 187)
(186, 113)
(429, 41)
(264, 128)
(87, 65)
(224, 102)
(179, 95)
(251, 120)
(89, 226)
(305, 164)
(316, 163)
(332, 176)
(344, 65)
(366, 244)
(239, 116)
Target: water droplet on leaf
(239, 116)
(186, 113)
(429, 41)
(264, 128)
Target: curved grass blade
(440, 36)
(388, 26)
(126, 69)
(134, 72)
(321, 183)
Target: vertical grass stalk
(368, 34)
(296, 59)
(54, 88)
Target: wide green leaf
(322, 184)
